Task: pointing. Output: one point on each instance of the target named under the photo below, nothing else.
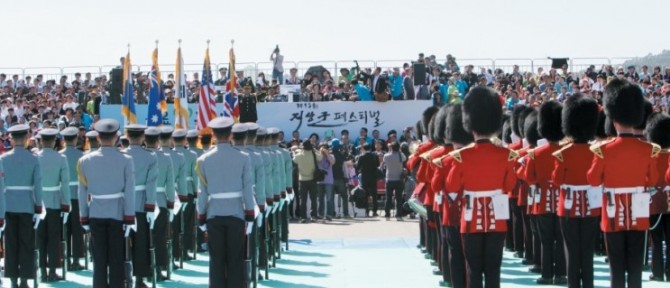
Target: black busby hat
(507, 131)
(648, 109)
(530, 130)
(658, 129)
(515, 118)
(482, 111)
(431, 128)
(425, 118)
(624, 102)
(580, 118)
(440, 126)
(600, 128)
(522, 117)
(549, 121)
(419, 129)
(455, 131)
(610, 130)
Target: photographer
(278, 65)
(305, 159)
(326, 186)
(393, 165)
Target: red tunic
(624, 166)
(537, 171)
(571, 165)
(482, 169)
(520, 191)
(430, 173)
(451, 202)
(414, 161)
(660, 200)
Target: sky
(58, 33)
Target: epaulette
(199, 172)
(513, 155)
(531, 154)
(496, 141)
(558, 154)
(426, 155)
(595, 148)
(438, 161)
(655, 150)
(456, 154)
(564, 142)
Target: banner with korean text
(312, 117)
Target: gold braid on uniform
(199, 172)
(80, 175)
(456, 154)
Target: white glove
(171, 217)
(127, 228)
(86, 227)
(65, 215)
(36, 219)
(203, 228)
(150, 217)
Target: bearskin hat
(624, 102)
(482, 111)
(440, 126)
(580, 118)
(522, 117)
(648, 109)
(610, 130)
(455, 132)
(530, 131)
(549, 121)
(658, 129)
(602, 121)
(431, 128)
(419, 130)
(516, 113)
(427, 115)
(507, 131)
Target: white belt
(108, 196)
(482, 194)
(140, 188)
(74, 183)
(51, 188)
(189, 178)
(19, 187)
(226, 195)
(625, 190)
(160, 189)
(576, 187)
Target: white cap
(18, 128)
(135, 127)
(69, 131)
(167, 129)
(221, 122)
(152, 131)
(48, 132)
(91, 134)
(252, 126)
(179, 133)
(192, 134)
(107, 126)
(262, 131)
(240, 128)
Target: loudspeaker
(557, 63)
(419, 73)
(117, 79)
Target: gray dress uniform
(180, 174)
(226, 200)
(56, 197)
(191, 190)
(75, 237)
(146, 173)
(165, 198)
(107, 176)
(288, 181)
(23, 197)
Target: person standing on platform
(146, 172)
(107, 178)
(23, 197)
(225, 203)
(579, 203)
(75, 237)
(165, 198)
(191, 189)
(56, 195)
(483, 173)
(624, 166)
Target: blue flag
(155, 114)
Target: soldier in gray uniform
(192, 137)
(278, 186)
(261, 136)
(288, 181)
(146, 172)
(75, 234)
(226, 201)
(23, 197)
(56, 196)
(107, 178)
(178, 164)
(259, 191)
(92, 140)
(185, 219)
(165, 198)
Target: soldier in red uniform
(658, 132)
(523, 239)
(539, 165)
(451, 202)
(624, 166)
(579, 203)
(483, 174)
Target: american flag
(206, 102)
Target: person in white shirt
(70, 103)
(3, 80)
(278, 66)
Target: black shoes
(560, 280)
(535, 269)
(544, 281)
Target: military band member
(537, 172)
(579, 203)
(75, 237)
(658, 132)
(146, 172)
(624, 166)
(92, 143)
(518, 235)
(23, 198)
(165, 198)
(225, 203)
(56, 196)
(483, 173)
(107, 178)
(191, 189)
(178, 166)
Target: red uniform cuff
(149, 207)
(65, 208)
(170, 205)
(183, 198)
(269, 200)
(38, 209)
(83, 220)
(2, 222)
(129, 219)
(248, 212)
(283, 194)
(202, 217)
(277, 197)
(261, 207)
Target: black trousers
(189, 224)
(19, 245)
(49, 237)
(553, 256)
(661, 233)
(226, 250)
(422, 233)
(537, 243)
(295, 205)
(483, 258)
(431, 246)
(578, 238)
(108, 252)
(443, 250)
(176, 230)
(160, 237)
(75, 234)
(284, 221)
(527, 234)
(307, 188)
(394, 189)
(517, 227)
(370, 188)
(456, 257)
(141, 255)
(625, 252)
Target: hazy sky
(47, 33)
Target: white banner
(310, 117)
